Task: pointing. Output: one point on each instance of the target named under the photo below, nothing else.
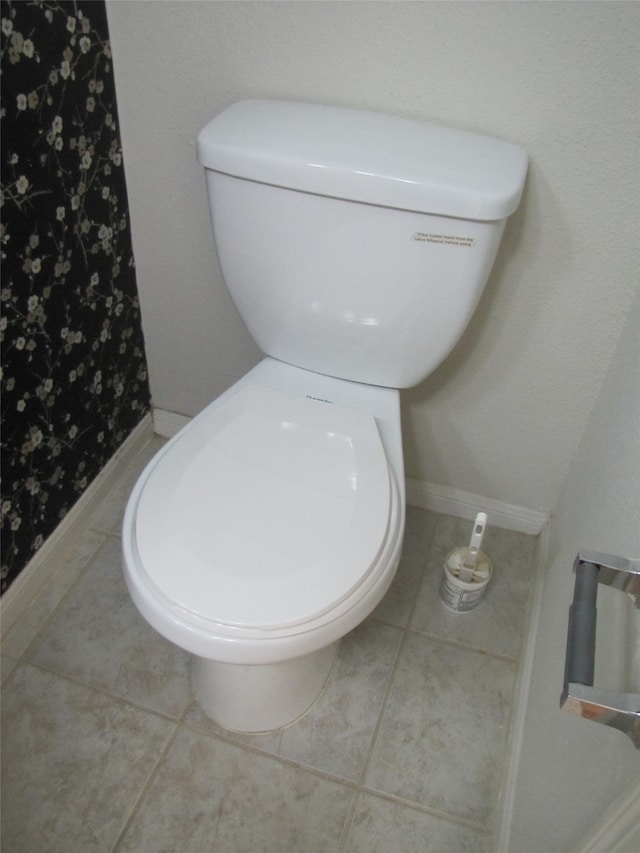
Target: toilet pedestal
(262, 697)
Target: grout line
(428, 546)
(179, 722)
(383, 708)
(255, 750)
(465, 646)
(450, 817)
(103, 691)
(145, 787)
(357, 786)
(348, 821)
(346, 829)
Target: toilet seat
(266, 513)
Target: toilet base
(262, 697)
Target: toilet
(355, 246)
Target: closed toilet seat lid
(267, 512)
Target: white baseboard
(45, 561)
(167, 424)
(508, 792)
(448, 501)
(618, 830)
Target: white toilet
(356, 247)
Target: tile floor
(405, 750)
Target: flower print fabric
(74, 380)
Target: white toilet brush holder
(467, 572)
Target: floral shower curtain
(74, 380)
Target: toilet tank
(355, 244)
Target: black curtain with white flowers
(74, 375)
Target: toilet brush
(467, 571)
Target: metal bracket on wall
(618, 710)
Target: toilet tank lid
(365, 156)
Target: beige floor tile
(74, 762)
(336, 733)
(7, 665)
(98, 636)
(381, 826)
(443, 735)
(397, 605)
(211, 795)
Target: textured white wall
(570, 769)
(503, 415)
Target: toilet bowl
(265, 531)
(355, 247)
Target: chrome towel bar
(618, 710)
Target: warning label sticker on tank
(445, 239)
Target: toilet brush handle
(476, 540)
